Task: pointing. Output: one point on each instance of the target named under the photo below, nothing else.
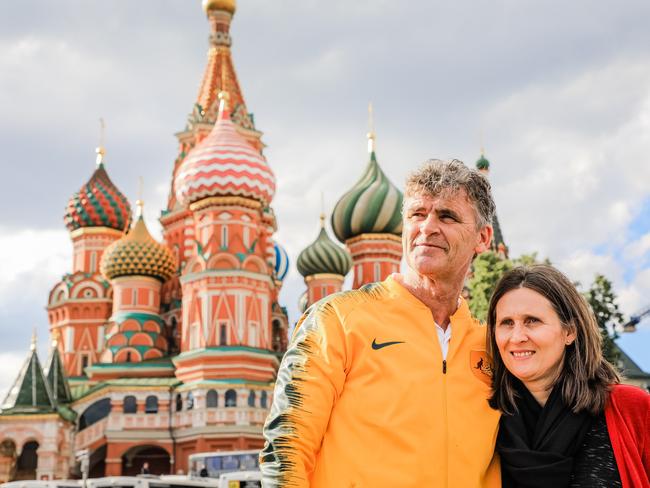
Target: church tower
(79, 305)
(324, 265)
(497, 245)
(368, 219)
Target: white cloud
(11, 362)
(46, 253)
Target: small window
(246, 237)
(179, 402)
(377, 271)
(252, 334)
(224, 237)
(129, 404)
(85, 361)
(263, 399)
(251, 398)
(190, 400)
(231, 398)
(93, 261)
(151, 404)
(223, 334)
(212, 399)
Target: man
(387, 386)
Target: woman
(566, 420)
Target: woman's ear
(570, 335)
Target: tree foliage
(602, 299)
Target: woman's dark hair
(585, 376)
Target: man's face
(440, 235)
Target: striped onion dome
(373, 205)
(224, 163)
(137, 253)
(324, 256)
(302, 302)
(98, 203)
(281, 262)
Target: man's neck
(441, 296)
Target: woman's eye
(531, 320)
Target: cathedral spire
(371, 129)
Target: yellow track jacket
(364, 399)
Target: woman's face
(530, 337)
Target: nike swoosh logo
(380, 345)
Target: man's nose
(430, 225)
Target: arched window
(190, 400)
(151, 404)
(224, 237)
(28, 460)
(251, 398)
(231, 398)
(223, 334)
(263, 399)
(94, 413)
(377, 272)
(179, 402)
(212, 399)
(129, 404)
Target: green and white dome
(324, 256)
(372, 206)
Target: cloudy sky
(557, 92)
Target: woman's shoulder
(628, 397)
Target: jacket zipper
(444, 366)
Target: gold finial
(55, 338)
(371, 129)
(100, 149)
(32, 347)
(139, 203)
(322, 210)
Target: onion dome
(227, 5)
(324, 256)
(482, 164)
(98, 203)
(224, 163)
(373, 205)
(302, 302)
(281, 262)
(137, 253)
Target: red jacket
(628, 423)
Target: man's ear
(484, 240)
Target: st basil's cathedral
(161, 350)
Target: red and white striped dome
(224, 163)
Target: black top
(594, 464)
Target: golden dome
(227, 5)
(137, 253)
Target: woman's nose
(519, 334)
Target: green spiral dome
(324, 256)
(372, 206)
(482, 163)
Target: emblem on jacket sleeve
(481, 366)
